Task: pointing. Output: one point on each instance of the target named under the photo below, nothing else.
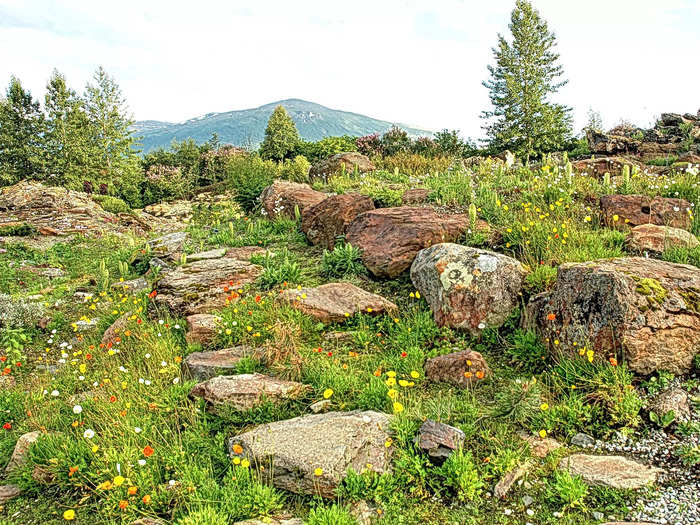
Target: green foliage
(205, 516)
(21, 135)
(526, 351)
(567, 490)
(448, 142)
(296, 170)
(461, 475)
(111, 204)
(12, 342)
(330, 515)
(248, 175)
(326, 147)
(344, 260)
(540, 279)
(394, 141)
(662, 420)
(278, 267)
(526, 73)
(689, 454)
(17, 230)
(281, 136)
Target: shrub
(571, 491)
(17, 230)
(394, 141)
(413, 164)
(19, 313)
(460, 474)
(279, 268)
(248, 176)
(343, 261)
(326, 147)
(205, 516)
(164, 182)
(370, 145)
(540, 279)
(331, 515)
(111, 204)
(296, 170)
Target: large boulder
(646, 309)
(460, 369)
(350, 161)
(281, 198)
(390, 238)
(202, 286)
(312, 454)
(324, 222)
(468, 288)
(615, 472)
(335, 302)
(246, 391)
(632, 210)
(658, 239)
(169, 245)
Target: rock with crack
(282, 198)
(202, 329)
(203, 286)
(390, 238)
(621, 211)
(324, 222)
(459, 368)
(205, 365)
(658, 239)
(615, 472)
(246, 391)
(646, 309)
(311, 454)
(439, 440)
(335, 302)
(468, 288)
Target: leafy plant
(343, 261)
(663, 420)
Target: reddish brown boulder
(202, 328)
(328, 219)
(459, 368)
(246, 391)
(601, 165)
(335, 302)
(632, 210)
(645, 309)
(415, 196)
(281, 198)
(349, 161)
(390, 238)
(655, 238)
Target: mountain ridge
(247, 126)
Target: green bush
(278, 268)
(111, 204)
(460, 474)
(17, 230)
(331, 515)
(164, 182)
(248, 176)
(296, 170)
(205, 516)
(343, 261)
(567, 490)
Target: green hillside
(247, 126)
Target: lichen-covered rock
(620, 211)
(646, 309)
(203, 286)
(459, 368)
(216, 253)
(439, 440)
(168, 245)
(390, 238)
(19, 454)
(246, 391)
(202, 328)
(312, 454)
(324, 222)
(616, 472)
(468, 288)
(350, 161)
(205, 365)
(658, 239)
(281, 198)
(335, 302)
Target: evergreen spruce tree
(281, 136)
(67, 134)
(523, 119)
(21, 135)
(114, 162)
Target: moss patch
(652, 289)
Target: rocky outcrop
(390, 238)
(246, 391)
(615, 472)
(324, 222)
(620, 211)
(646, 309)
(349, 161)
(169, 245)
(468, 288)
(205, 365)
(335, 302)
(312, 454)
(281, 198)
(439, 440)
(599, 166)
(612, 143)
(202, 286)
(658, 239)
(459, 368)
(202, 329)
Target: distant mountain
(247, 126)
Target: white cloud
(399, 60)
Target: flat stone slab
(246, 391)
(217, 253)
(205, 365)
(335, 302)
(202, 328)
(7, 492)
(610, 471)
(311, 454)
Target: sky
(417, 62)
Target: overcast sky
(417, 62)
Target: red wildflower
(148, 451)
